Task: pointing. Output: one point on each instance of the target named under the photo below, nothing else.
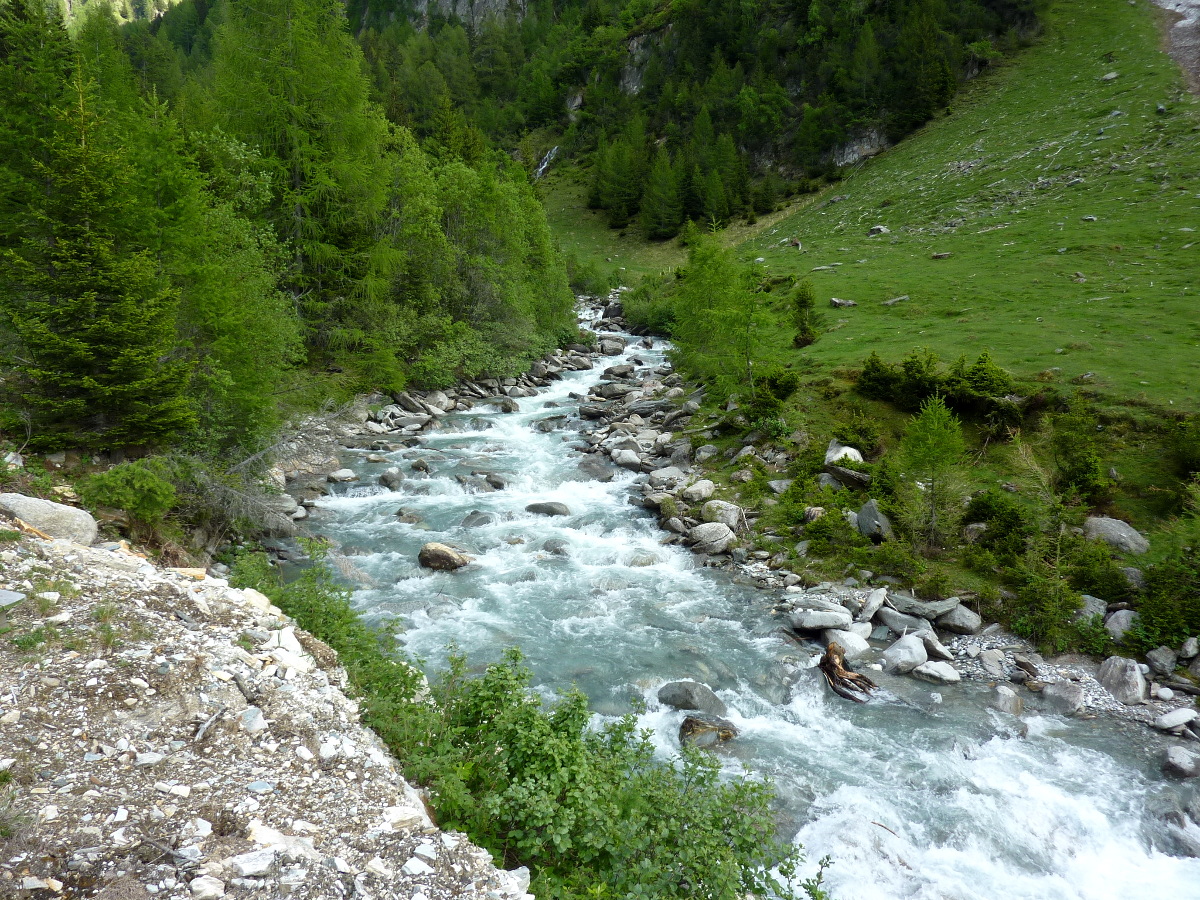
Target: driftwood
(851, 685)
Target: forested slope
(201, 221)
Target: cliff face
(471, 11)
(164, 734)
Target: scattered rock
(720, 511)
(854, 645)
(938, 672)
(873, 524)
(924, 609)
(839, 303)
(1162, 660)
(1064, 697)
(691, 695)
(961, 620)
(837, 452)
(1176, 718)
(341, 476)
(53, 519)
(905, 655)
(549, 508)
(392, 479)
(711, 537)
(993, 663)
(477, 519)
(820, 619)
(701, 490)
(1005, 700)
(442, 558)
(1117, 534)
(1119, 623)
(1181, 762)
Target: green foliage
(932, 452)
(807, 321)
(1079, 465)
(143, 488)
(593, 812)
(1009, 527)
(1169, 611)
(894, 558)
(979, 390)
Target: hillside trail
(1182, 30)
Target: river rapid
(920, 793)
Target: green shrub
(594, 813)
(1044, 608)
(1091, 569)
(1080, 469)
(145, 489)
(1169, 611)
(832, 534)
(1009, 526)
(894, 558)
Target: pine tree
(716, 204)
(93, 318)
(662, 212)
(932, 452)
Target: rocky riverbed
(165, 735)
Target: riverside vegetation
(214, 221)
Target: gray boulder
(705, 730)
(993, 663)
(935, 648)
(872, 523)
(54, 519)
(960, 620)
(549, 508)
(1190, 649)
(872, 605)
(820, 619)
(668, 477)
(1005, 700)
(557, 546)
(707, 452)
(824, 479)
(720, 511)
(1162, 660)
(626, 459)
(701, 490)
(779, 485)
(855, 645)
(1181, 762)
(905, 655)
(1123, 679)
(1063, 697)
(392, 479)
(922, 609)
(477, 519)
(1117, 534)
(1119, 623)
(441, 558)
(937, 672)
(1176, 718)
(691, 695)
(900, 623)
(837, 451)
(711, 537)
(342, 475)
(1092, 607)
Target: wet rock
(701, 490)
(477, 519)
(54, 519)
(1162, 660)
(596, 469)
(872, 605)
(689, 695)
(729, 514)
(820, 619)
(392, 479)
(905, 655)
(1006, 700)
(341, 476)
(408, 517)
(706, 731)
(549, 508)
(1181, 762)
(557, 546)
(441, 558)
(1117, 534)
(873, 524)
(1064, 697)
(937, 672)
(627, 459)
(1119, 623)
(1176, 718)
(642, 559)
(960, 620)
(935, 648)
(711, 537)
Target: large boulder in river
(597, 469)
(905, 655)
(938, 672)
(441, 558)
(691, 695)
(720, 511)
(54, 519)
(627, 459)
(1123, 679)
(854, 646)
(392, 479)
(477, 519)
(549, 508)
(1063, 697)
(711, 537)
(1117, 534)
(706, 730)
(1181, 762)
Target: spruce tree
(662, 212)
(92, 317)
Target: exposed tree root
(843, 682)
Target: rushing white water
(915, 794)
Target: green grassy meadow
(1069, 205)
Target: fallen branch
(850, 685)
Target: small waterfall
(545, 163)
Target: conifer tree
(662, 212)
(92, 317)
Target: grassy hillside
(1068, 201)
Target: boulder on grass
(54, 519)
(1117, 534)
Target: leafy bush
(145, 489)
(1169, 611)
(808, 322)
(1009, 526)
(1079, 466)
(893, 558)
(1044, 608)
(978, 390)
